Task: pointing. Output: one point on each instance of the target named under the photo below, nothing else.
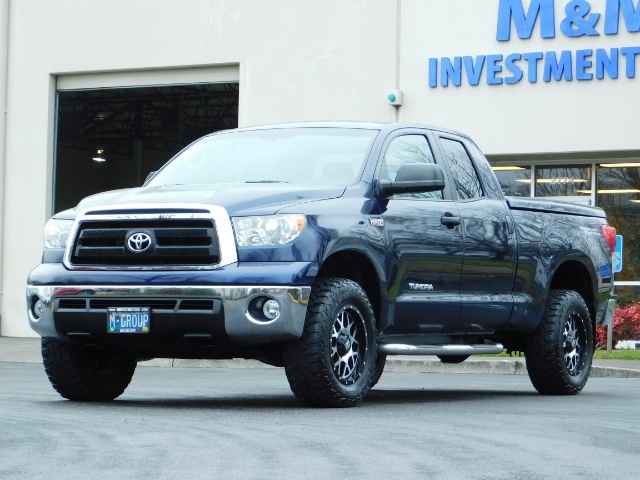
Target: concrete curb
(27, 350)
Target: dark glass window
(464, 174)
(403, 150)
(514, 181)
(565, 181)
(618, 193)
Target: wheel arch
(577, 274)
(357, 266)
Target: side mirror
(415, 178)
(149, 177)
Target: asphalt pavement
(27, 350)
(230, 423)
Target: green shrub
(626, 325)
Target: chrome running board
(444, 350)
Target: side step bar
(444, 350)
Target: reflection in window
(514, 181)
(305, 156)
(618, 193)
(404, 150)
(566, 181)
(463, 172)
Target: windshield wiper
(266, 181)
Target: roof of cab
(346, 125)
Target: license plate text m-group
(129, 319)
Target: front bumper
(239, 324)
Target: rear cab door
(487, 228)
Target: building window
(618, 193)
(514, 181)
(563, 181)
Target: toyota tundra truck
(321, 248)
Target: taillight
(609, 234)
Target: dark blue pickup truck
(321, 248)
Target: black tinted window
(463, 172)
(403, 150)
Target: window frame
(445, 160)
(435, 150)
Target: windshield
(311, 156)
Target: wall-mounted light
(394, 97)
(99, 156)
(506, 169)
(619, 190)
(555, 180)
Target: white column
(4, 53)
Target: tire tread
(545, 362)
(311, 381)
(71, 375)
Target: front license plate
(128, 319)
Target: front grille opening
(167, 304)
(72, 304)
(196, 305)
(154, 304)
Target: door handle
(449, 221)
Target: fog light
(37, 307)
(271, 309)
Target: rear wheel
(79, 372)
(331, 365)
(559, 353)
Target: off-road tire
(313, 376)
(78, 372)
(559, 353)
(381, 361)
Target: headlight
(56, 233)
(269, 230)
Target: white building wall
(575, 116)
(298, 60)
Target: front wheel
(331, 365)
(79, 372)
(559, 353)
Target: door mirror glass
(415, 178)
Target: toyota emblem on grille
(138, 242)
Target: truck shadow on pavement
(288, 401)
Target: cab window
(403, 150)
(463, 173)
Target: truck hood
(238, 200)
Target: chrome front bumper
(239, 324)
